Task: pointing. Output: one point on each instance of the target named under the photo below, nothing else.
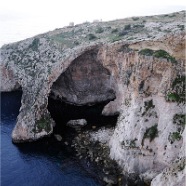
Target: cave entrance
(81, 92)
(63, 112)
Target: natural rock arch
(85, 81)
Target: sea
(42, 163)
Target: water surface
(40, 163)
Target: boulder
(77, 123)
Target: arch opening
(81, 92)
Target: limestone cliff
(137, 64)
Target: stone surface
(83, 68)
(85, 82)
(58, 137)
(77, 123)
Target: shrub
(43, 123)
(179, 81)
(122, 33)
(135, 18)
(91, 37)
(175, 136)
(179, 119)
(164, 54)
(157, 54)
(138, 26)
(174, 97)
(124, 48)
(114, 30)
(116, 38)
(181, 27)
(150, 133)
(148, 105)
(35, 44)
(146, 52)
(99, 30)
(177, 94)
(127, 27)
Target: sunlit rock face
(85, 82)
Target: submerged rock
(58, 137)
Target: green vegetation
(181, 167)
(42, 124)
(91, 37)
(115, 38)
(114, 30)
(180, 80)
(150, 133)
(157, 54)
(133, 143)
(138, 26)
(122, 33)
(135, 18)
(179, 119)
(99, 30)
(35, 44)
(181, 27)
(173, 97)
(127, 102)
(64, 39)
(177, 94)
(146, 52)
(164, 54)
(127, 27)
(124, 48)
(148, 105)
(129, 143)
(175, 136)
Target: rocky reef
(137, 65)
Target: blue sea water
(36, 164)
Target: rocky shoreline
(97, 153)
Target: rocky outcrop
(138, 68)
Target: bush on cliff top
(157, 54)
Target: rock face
(139, 67)
(85, 82)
